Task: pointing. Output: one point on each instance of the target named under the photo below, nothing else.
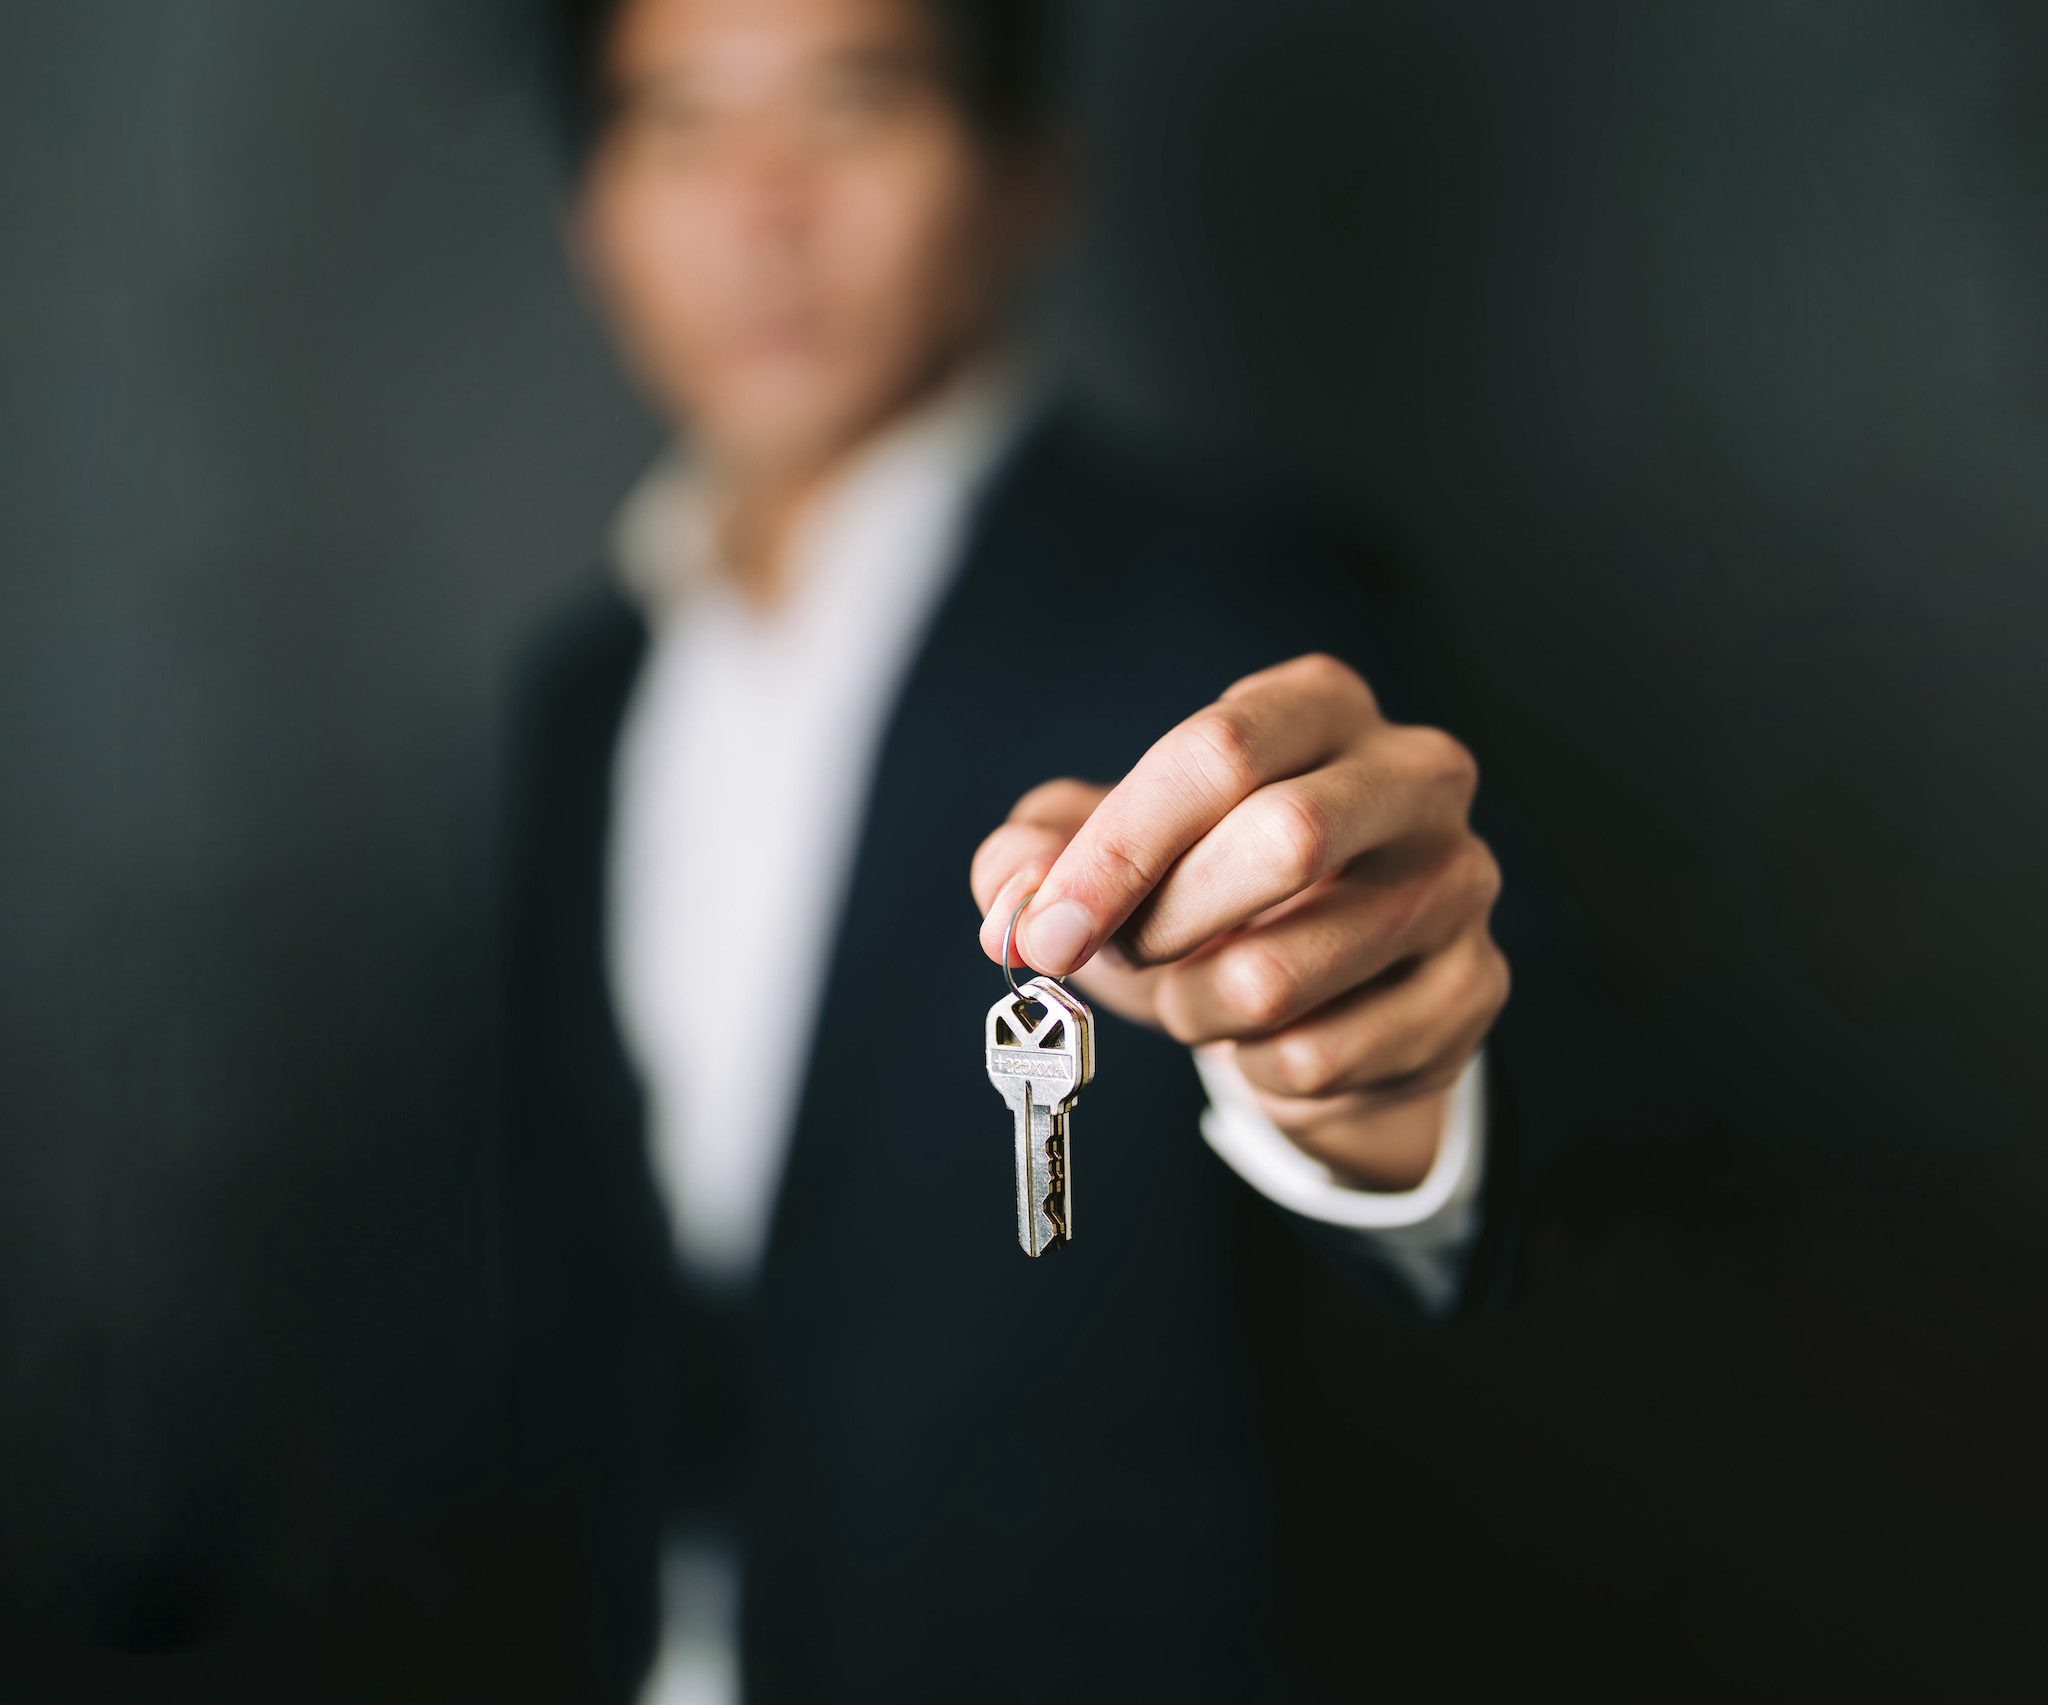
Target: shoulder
(580, 652)
(1084, 467)
(1204, 557)
(566, 687)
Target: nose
(775, 185)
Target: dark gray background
(1690, 354)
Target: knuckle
(1448, 763)
(1485, 875)
(1479, 990)
(1328, 672)
(1126, 867)
(1307, 1065)
(1258, 986)
(1300, 834)
(1225, 749)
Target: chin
(773, 425)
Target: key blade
(1043, 1219)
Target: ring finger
(1389, 1038)
(1337, 936)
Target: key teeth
(1056, 1178)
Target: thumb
(1014, 858)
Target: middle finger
(1383, 908)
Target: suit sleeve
(1450, 1247)
(1422, 1237)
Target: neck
(765, 499)
(758, 522)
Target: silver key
(1039, 1064)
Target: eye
(855, 101)
(661, 126)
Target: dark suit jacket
(1124, 1471)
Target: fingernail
(1057, 935)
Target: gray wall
(1691, 355)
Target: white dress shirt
(742, 768)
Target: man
(857, 645)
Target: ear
(1047, 192)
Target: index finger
(1276, 723)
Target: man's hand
(1288, 877)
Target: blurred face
(788, 220)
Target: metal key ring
(1008, 930)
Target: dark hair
(1001, 58)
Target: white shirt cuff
(1424, 1234)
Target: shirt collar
(934, 455)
